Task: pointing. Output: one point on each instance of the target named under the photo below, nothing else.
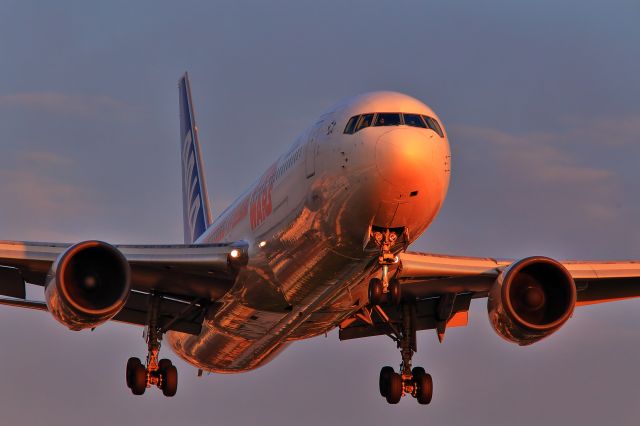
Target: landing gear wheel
(424, 385)
(394, 391)
(164, 363)
(385, 374)
(169, 380)
(376, 292)
(138, 379)
(395, 293)
(129, 371)
(418, 372)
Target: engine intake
(88, 285)
(531, 299)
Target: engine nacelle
(531, 299)
(88, 285)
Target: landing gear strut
(161, 373)
(409, 381)
(412, 381)
(384, 289)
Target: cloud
(45, 159)
(607, 131)
(61, 103)
(537, 157)
(36, 203)
(558, 192)
(35, 192)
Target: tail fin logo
(191, 179)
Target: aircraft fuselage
(308, 220)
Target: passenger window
(414, 120)
(433, 125)
(351, 125)
(365, 121)
(388, 119)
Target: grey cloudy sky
(541, 101)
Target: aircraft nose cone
(403, 156)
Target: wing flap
(427, 316)
(11, 283)
(175, 315)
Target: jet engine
(88, 285)
(531, 299)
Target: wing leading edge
(191, 277)
(424, 275)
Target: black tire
(417, 372)
(164, 363)
(129, 371)
(138, 379)
(385, 373)
(395, 389)
(424, 384)
(395, 292)
(376, 294)
(170, 381)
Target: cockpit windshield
(359, 122)
(365, 121)
(388, 119)
(414, 120)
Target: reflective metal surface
(531, 299)
(307, 220)
(88, 285)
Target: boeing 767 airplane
(319, 241)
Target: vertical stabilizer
(196, 211)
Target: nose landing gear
(161, 373)
(384, 289)
(408, 381)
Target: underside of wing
(91, 282)
(182, 270)
(528, 299)
(423, 275)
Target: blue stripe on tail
(195, 203)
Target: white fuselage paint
(307, 220)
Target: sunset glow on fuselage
(308, 219)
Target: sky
(541, 101)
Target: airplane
(319, 241)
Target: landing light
(235, 253)
(262, 244)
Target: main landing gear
(408, 381)
(161, 373)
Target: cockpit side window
(351, 125)
(433, 125)
(388, 119)
(365, 121)
(414, 120)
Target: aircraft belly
(237, 337)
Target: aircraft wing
(443, 287)
(190, 277)
(425, 275)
